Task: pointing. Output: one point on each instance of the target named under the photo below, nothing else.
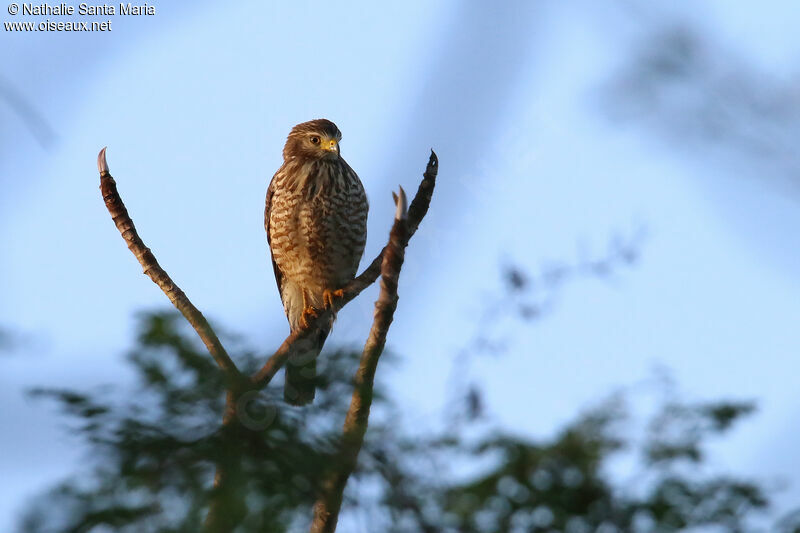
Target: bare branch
(277, 360)
(122, 220)
(414, 215)
(329, 501)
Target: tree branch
(122, 220)
(415, 214)
(329, 501)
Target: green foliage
(154, 456)
(564, 485)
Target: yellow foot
(308, 312)
(328, 297)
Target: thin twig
(329, 501)
(416, 212)
(159, 276)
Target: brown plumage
(316, 221)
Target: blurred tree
(703, 96)
(153, 457)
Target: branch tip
(102, 164)
(402, 205)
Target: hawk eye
(315, 139)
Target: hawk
(316, 222)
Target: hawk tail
(301, 369)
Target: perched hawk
(316, 221)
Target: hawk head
(315, 139)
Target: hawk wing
(278, 273)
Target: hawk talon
(328, 297)
(308, 312)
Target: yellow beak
(330, 145)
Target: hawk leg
(309, 311)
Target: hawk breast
(316, 225)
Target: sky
(194, 104)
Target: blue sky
(195, 102)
